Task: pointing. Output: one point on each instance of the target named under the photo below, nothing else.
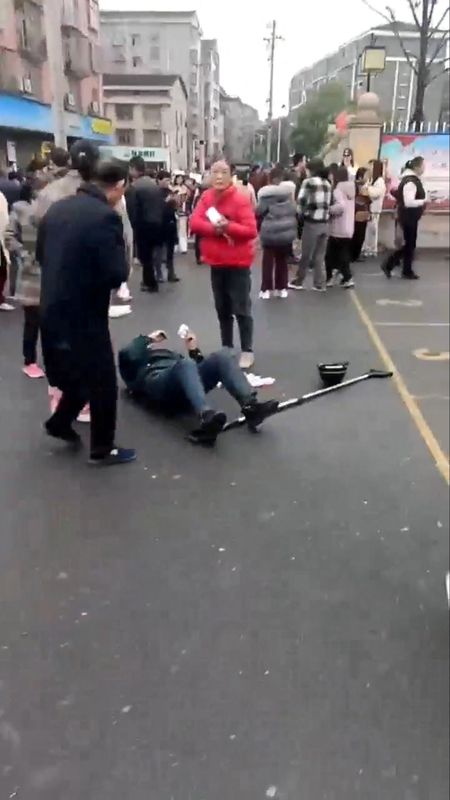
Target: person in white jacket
(376, 189)
(4, 257)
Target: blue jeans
(185, 385)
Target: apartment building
(241, 124)
(149, 111)
(158, 42)
(395, 86)
(210, 74)
(50, 75)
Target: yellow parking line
(424, 429)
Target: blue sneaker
(118, 455)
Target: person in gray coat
(276, 214)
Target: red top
(234, 248)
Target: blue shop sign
(25, 114)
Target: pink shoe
(85, 414)
(54, 396)
(33, 371)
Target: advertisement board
(398, 148)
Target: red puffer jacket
(234, 248)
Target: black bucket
(332, 374)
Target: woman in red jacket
(225, 221)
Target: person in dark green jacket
(172, 383)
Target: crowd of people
(70, 233)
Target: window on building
(24, 33)
(193, 56)
(154, 38)
(137, 61)
(152, 138)
(92, 8)
(155, 53)
(135, 40)
(125, 136)
(152, 116)
(124, 112)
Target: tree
(314, 117)
(428, 20)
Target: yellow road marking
(422, 426)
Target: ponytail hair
(414, 163)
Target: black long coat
(81, 250)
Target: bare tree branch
(436, 27)
(438, 48)
(438, 74)
(395, 28)
(413, 12)
(433, 5)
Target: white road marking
(431, 355)
(387, 301)
(412, 324)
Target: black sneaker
(255, 413)
(410, 276)
(385, 268)
(67, 435)
(173, 279)
(211, 425)
(149, 289)
(118, 455)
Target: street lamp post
(279, 136)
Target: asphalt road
(264, 620)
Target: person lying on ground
(169, 382)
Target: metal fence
(403, 126)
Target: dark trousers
(3, 275)
(358, 240)
(30, 334)
(338, 257)
(407, 252)
(166, 255)
(198, 255)
(184, 386)
(149, 255)
(231, 289)
(274, 263)
(88, 377)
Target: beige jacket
(69, 185)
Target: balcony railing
(10, 81)
(77, 56)
(70, 16)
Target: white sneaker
(264, 295)
(246, 360)
(6, 307)
(115, 312)
(319, 288)
(348, 284)
(330, 283)
(283, 294)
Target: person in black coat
(145, 206)
(169, 227)
(81, 251)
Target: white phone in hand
(213, 215)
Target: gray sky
(310, 30)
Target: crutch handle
(380, 373)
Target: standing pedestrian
(81, 250)
(9, 187)
(348, 161)
(145, 207)
(21, 242)
(182, 195)
(362, 213)
(169, 228)
(411, 200)
(342, 227)
(376, 189)
(225, 221)
(277, 218)
(314, 203)
(4, 256)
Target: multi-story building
(395, 86)
(149, 111)
(210, 71)
(241, 125)
(50, 75)
(152, 42)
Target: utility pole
(271, 40)
(53, 20)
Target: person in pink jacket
(342, 226)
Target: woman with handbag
(362, 213)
